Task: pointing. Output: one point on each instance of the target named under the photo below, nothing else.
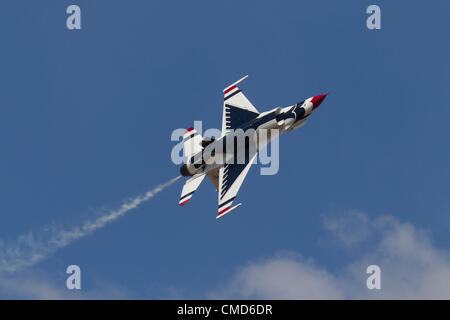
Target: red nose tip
(317, 100)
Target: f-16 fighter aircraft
(224, 160)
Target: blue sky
(86, 118)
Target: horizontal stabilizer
(189, 188)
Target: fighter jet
(224, 160)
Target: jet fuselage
(226, 149)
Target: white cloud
(350, 229)
(411, 267)
(39, 286)
(282, 278)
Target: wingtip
(227, 211)
(184, 202)
(234, 84)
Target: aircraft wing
(231, 177)
(237, 109)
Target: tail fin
(192, 142)
(189, 188)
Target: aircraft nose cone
(317, 100)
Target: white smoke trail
(28, 249)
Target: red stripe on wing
(229, 89)
(220, 212)
(184, 202)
